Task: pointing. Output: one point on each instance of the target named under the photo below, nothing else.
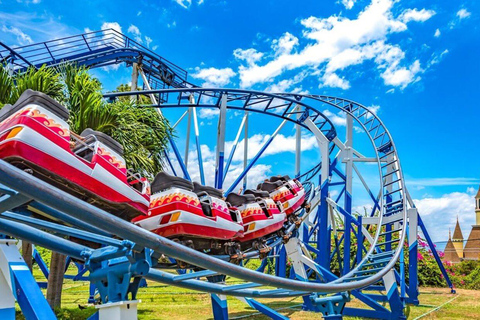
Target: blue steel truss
(380, 235)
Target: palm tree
(142, 132)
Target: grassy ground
(165, 302)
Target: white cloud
(338, 119)
(199, 2)
(214, 77)
(139, 13)
(334, 81)
(257, 173)
(148, 40)
(437, 57)
(22, 38)
(208, 113)
(184, 3)
(440, 214)
(112, 25)
(437, 33)
(348, 3)
(249, 55)
(463, 13)
(280, 144)
(338, 42)
(136, 33)
(134, 30)
(172, 25)
(416, 15)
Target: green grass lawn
(166, 302)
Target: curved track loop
(245, 100)
(392, 199)
(391, 203)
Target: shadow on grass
(286, 308)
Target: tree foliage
(142, 131)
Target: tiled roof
(457, 233)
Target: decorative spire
(449, 235)
(457, 232)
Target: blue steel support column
(413, 257)
(431, 245)
(281, 262)
(323, 238)
(219, 307)
(254, 160)
(234, 148)
(179, 158)
(245, 150)
(222, 118)
(199, 147)
(17, 282)
(348, 194)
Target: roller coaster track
(96, 49)
(384, 230)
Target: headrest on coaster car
(105, 139)
(36, 97)
(239, 199)
(164, 181)
(257, 193)
(214, 192)
(270, 186)
(280, 178)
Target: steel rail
(47, 194)
(368, 114)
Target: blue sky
(415, 62)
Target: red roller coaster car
(289, 192)
(35, 136)
(261, 216)
(192, 214)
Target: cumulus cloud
(257, 173)
(416, 15)
(280, 144)
(136, 33)
(463, 13)
(437, 33)
(214, 77)
(112, 25)
(348, 3)
(440, 214)
(22, 37)
(332, 44)
(208, 113)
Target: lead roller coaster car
(192, 214)
(289, 192)
(35, 136)
(261, 216)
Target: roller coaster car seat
(211, 191)
(34, 97)
(258, 193)
(105, 139)
(205, 193)
(164, 181)
(284, 178)
(238, 200)
(270, 186)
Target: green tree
(142, 132)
